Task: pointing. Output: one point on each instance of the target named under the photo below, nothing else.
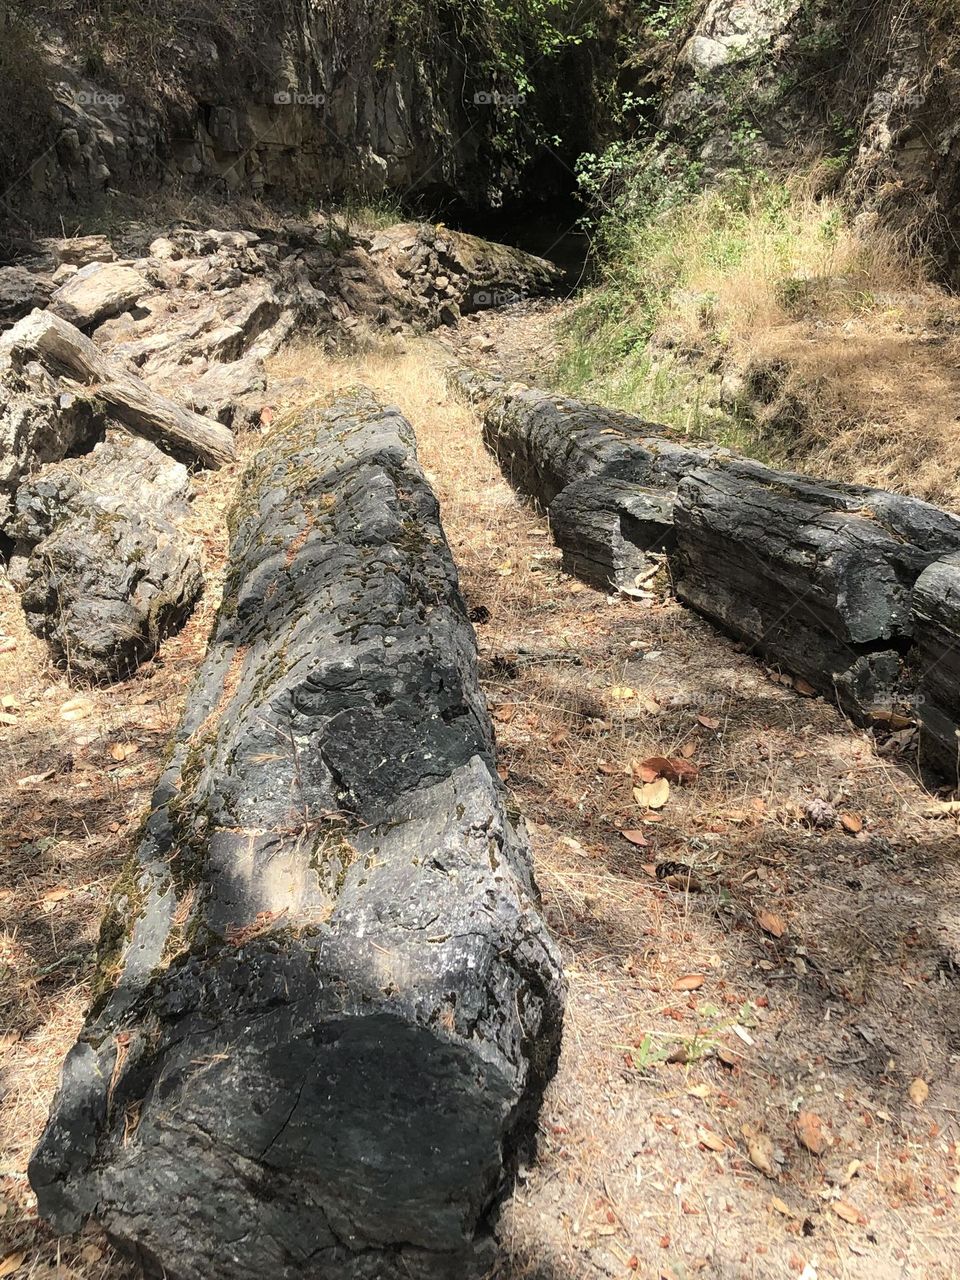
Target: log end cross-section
(327, 1002)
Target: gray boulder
(20, 291)
(97, 292)
(327, 1003)
(103, 570)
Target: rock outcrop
(104, 572)
(330, 97)
(871, 87)
(328, 1003)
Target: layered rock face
(319, 99)
(329, 1004)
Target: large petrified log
(817, 576)
(63, 349)
(329, 1003)
(936, 662)
(104, 570)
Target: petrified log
(63, 349)
(608, 528)
(328, 1004)
(104, 572)
(816, 576)
(936, 663)
(608, 478)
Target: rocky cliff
(434, 103)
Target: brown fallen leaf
(34, 779)
(727, 1057)
(636, 837)
(803, 687)
(712, 1141)
(643, 773)
(652, 795)
(688, 750)
(708, 722)
(811, 1133)
(7, 644)
(689, 982)
(771, 923)
(781, 1206)
(123, 750)
(760, 1151)
(672, 768)
(75, 709)
(843, 1209)
(505, 712)
(919, 1092)
(611, 770)
(11, 1263)
(851, 822)
(50, 899)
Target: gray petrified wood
(328, 1002)
(608, 478)
(936, 629)
(817, 576)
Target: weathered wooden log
(63, 349)
(818, 577)
(327, 1002)
(936, 663)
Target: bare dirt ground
(761, 1064)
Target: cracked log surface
(936, 627)
(818, 576)
(328, 1004)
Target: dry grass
(851, 358)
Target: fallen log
(818, 577)
(63, 349)
(327, 1004)
(936, 629)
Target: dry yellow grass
(851, 357)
